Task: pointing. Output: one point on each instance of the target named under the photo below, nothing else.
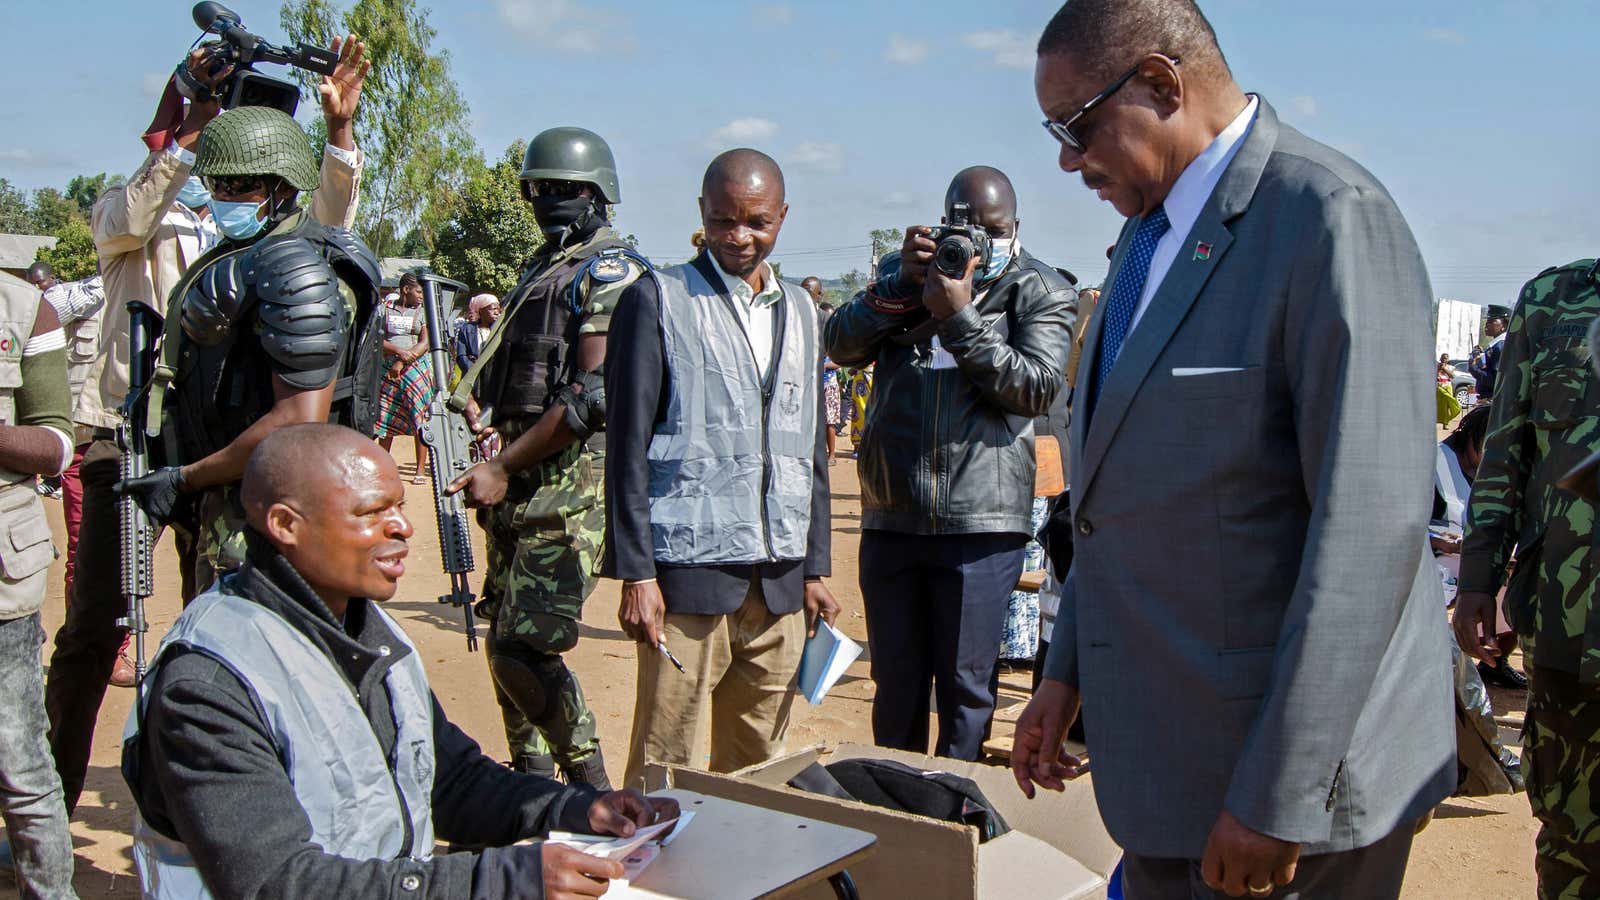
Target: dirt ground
(1473, 849)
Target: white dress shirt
(757, 311)
(1188, 197)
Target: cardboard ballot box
(1057, 848)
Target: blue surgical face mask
(193, 194)
(1000, 252)
(237, 221)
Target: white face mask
(1001, 251)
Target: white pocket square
(1190, 373)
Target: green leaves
(490, 231)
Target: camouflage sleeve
(1494, 511)
(600, 299)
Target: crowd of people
(1219, 462)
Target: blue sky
(1480, 117)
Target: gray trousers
(30, 791)
(1374, 872)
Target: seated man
(286, 742)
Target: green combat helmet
(572, 154)
(256, 140)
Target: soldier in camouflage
(273, 326)
(540, 383)
(1546, 421)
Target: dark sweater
(205, 771)
(637, 391)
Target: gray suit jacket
(1252, 615)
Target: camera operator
(947, 457)
(147, 233)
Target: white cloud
(899, 200)
(16, 155)
(153, 83)
(818, 156)
(1009, 49)
(904, 51)
(773, 15)
(1305, 106)
(566, 26)
(1441, 35)
(743, 132)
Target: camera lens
(952, 255)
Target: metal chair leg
(844, 887)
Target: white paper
(827, 655)
(635, 853)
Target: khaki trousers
(740, 668)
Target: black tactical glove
(158, 493)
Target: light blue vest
(730, 464)
(334, 760)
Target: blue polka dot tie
(1125, 291)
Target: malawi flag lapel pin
(1202, 251)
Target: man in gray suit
(1252, 620)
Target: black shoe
(1502, 675)
(590, 771)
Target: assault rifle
(449, 442)
(138, 532)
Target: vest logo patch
(7, 345)
(608, 269)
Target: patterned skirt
(402, 401)
(832, 400)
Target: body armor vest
(535, 360)
(225, 352)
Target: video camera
(958, 242)
(242, 50)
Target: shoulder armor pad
(215, 301)
(304, 319)
(341, 245)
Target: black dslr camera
(242, 50)
(958, 242)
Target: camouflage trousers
(544, 542)
(1561, 762)
(219, 545)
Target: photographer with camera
(147, 233)
(970, 336)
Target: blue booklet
(828, 654)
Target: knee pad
(531, 680)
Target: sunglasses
(1067, 130)
(239, 185)
(553, 188)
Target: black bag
(893, 785)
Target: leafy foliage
(491, 230)
(15, 217)
(412, 121)
(73, 256)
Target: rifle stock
(138, 532)
(449, 443)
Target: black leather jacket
(949, 450)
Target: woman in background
(408, 385)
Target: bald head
(987, 191)
(305, 465)
(813, 286)
(742, 208)
(744, 170)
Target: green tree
(852, 282)
(15, 217)
(73, 256)
(84, 190)
(412, 122)
(52, 210)
(491, 230)
(886, 239)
